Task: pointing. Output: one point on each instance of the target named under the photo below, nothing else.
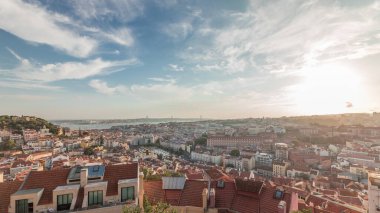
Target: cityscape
(205, 106)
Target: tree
(202, 141)
(131, 209)
(303, 211)
(88, 151)
(157, 142)
(101, 140)
(235, 153)
(8, 145)
(160, 207)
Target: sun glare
(328, 89)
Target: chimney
(83, 177)
(141, 190)
(281, 208)
(204, 198)
(1, 176)
(294, 202)
(212, 198)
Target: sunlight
(328, 89)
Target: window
(64, 202)
(127, 193)
(22, 206)
(278, 194)
(220, 184)
(95, 198)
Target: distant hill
(16, 123)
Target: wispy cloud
(76, 37)
(103, 88)
(28, 70)
(120, 10)
(175, 67)
(43, 28)
(300, 34)
(165, 80)
(26, 85)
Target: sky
(104, 59)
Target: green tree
(202, 141)
(160, 207)
(8, 145)
(131, 209)
(101, 140)
(303, 211)
(88, 151)
(235, 153)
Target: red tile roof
(192, 193)
(114, 173)
(224, 196)
(6, 189)
(153, 191)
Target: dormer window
(278, 194)
(23, 206)
(64, 202)
(95, 198)
(127, 193)
(220, 184)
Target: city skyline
(218, 59)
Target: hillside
(16, 123)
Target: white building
(263, 159)
(206, 157)
(373, 192)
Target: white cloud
(44, 28)
(68, 70)
(175, 67)
(300, 34)
(121, 36)
(103, 88)
(16, 84)
(179, 30)
(165, 80)
(121, 10)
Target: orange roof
(6, 189)
(114, 173)
(48, 180)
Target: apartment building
(79, 188)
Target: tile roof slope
(172, 196)
(248, 185)
(6, 189)
(351, 200)
(80, 197)
(332, 207)
(153, 191)
(224, 196)
(114, 173)
(48, 180)
(192, 193)
(245, 204)
(270, 204)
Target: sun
(327, 89)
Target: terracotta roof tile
(114, 173)
(6, 189)
(153, 191)
(224, 196)
(173, 196)
(192, 193)
(48, 180)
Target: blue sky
(219, 59)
